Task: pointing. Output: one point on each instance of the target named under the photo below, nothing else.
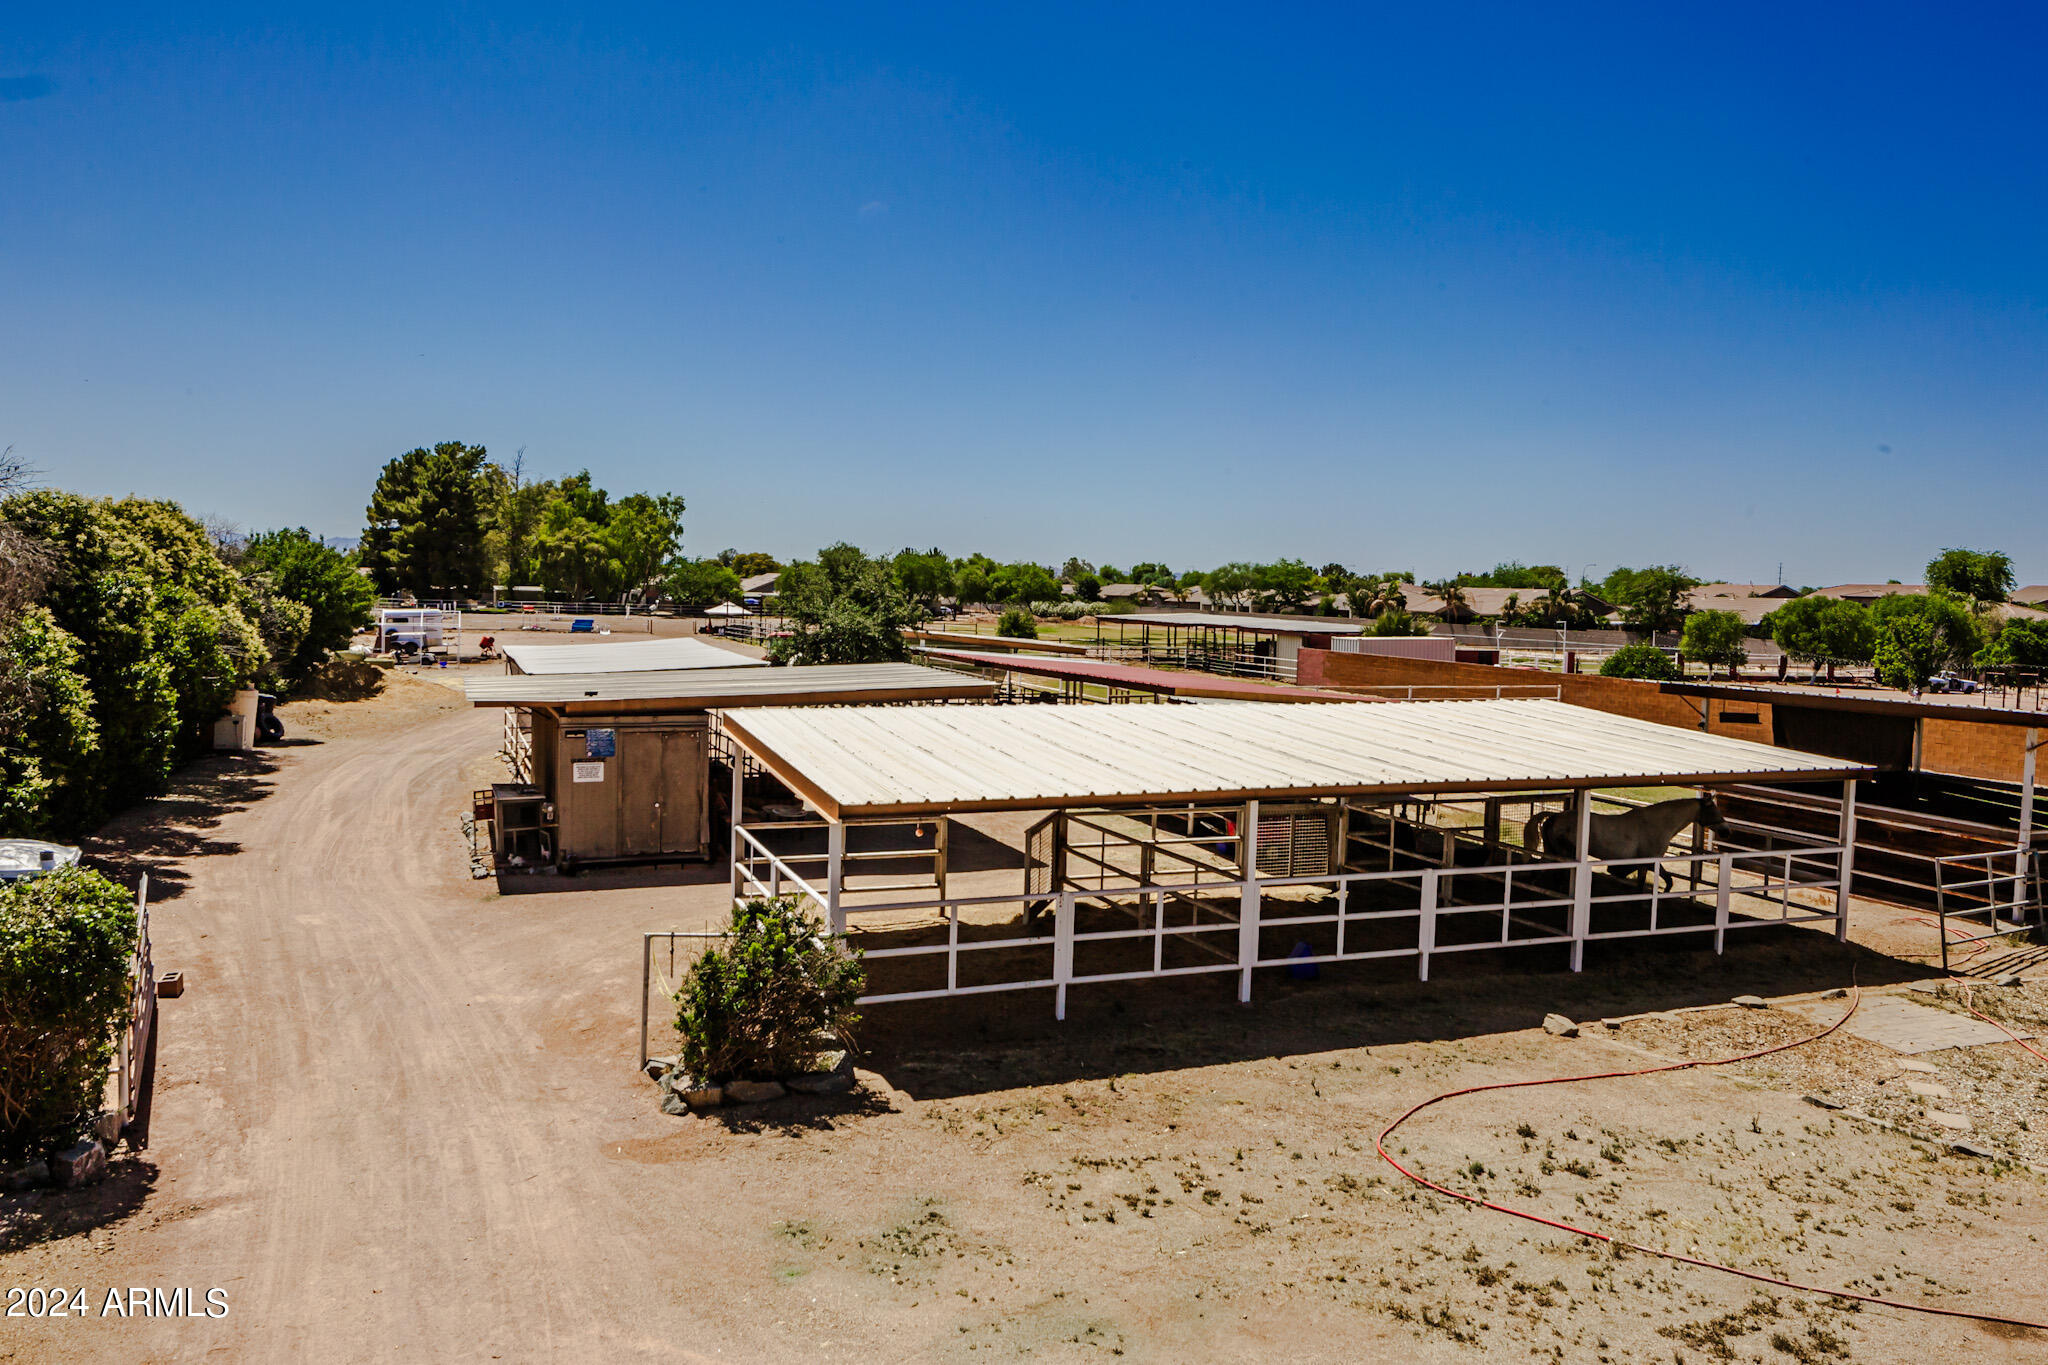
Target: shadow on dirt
(158, 835)
(976, 1044)
(39, 1216)
(800, 1113)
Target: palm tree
(1452, 594)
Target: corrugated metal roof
(1281, 625)
(853, 762)
(1170, 681)
(716, 688)
(625, 656)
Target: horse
(1644, 832)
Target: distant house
(1866, 593)
(1751, 601)
(1486, 604)
(760, 585)
(2035, 596)
(1133, 592)
(1778, 590)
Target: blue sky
(1425, 287)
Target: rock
(832, 1059)
(1751, 1002)
(704, 1097)
(1971, 1149)
(1823, 1102)
(754, 1092)
(1610, 1023)
(29, 1176)
(658, 1067)
(1559, 1025)
(1932, 1090)
(1958, 1122)
(822, 1083)
(107, 1128)
(1836, 994)
(79, 1165)
(672, 1103)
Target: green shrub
(1639, 661)
(1716, 637)
(757, 1007)
(1018, 624)
(65, 943)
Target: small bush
(65, 941)
(757, 1007)
(1018, 624)
(1639, 661)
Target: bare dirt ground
(397, 1119)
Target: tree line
(125, 629)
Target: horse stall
(1229, 839)
(618, 767)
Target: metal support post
(2019, 862)
(1582, 882)
(733, 817)
(835, 875)
(1425, 930)
(1847, 835)
(1248, 900)
(1062, 952)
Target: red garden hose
(1855, 998)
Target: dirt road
(398, 1120)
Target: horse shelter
(1227, 837)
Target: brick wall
(1968, 749)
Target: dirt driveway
(398, 1119)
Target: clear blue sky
(1424, 287)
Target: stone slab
(1906, 1027)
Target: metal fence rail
(1973, 889)
(135, 1051)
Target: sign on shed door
(586, 772)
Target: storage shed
(617, 766)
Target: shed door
(685, 769)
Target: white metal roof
(716, 688)
(1273, 625)
(625, 656)
(855, 761)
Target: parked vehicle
(1946, 681)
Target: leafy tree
(1232, 584)
(1109, 573)
(1152, 575)
(428, 518)
(1824, 629)
(65, 939)
(47, 733)
(1018, 624)
(1651, 599)
(1715, 637)
(1088, 588)
(642, 533)
(1950, 626)
(1515, 574)
(751, 563)
(701, 583)
(925, 577)
(161, 631)
(1908, 651)
(756, 1006)
(845, 608)
(1972, 575)
(1639, 661)
(1071, 571)
(2022, 643)
(337, 600)
(971, 584)
(1285, 584)
(1024, 583)
(1376, 596)
(517, 504)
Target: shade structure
(849, 763)
(712, 689)
(727, 609)
(625, 656)
(1168, 682)
(1230, 620)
